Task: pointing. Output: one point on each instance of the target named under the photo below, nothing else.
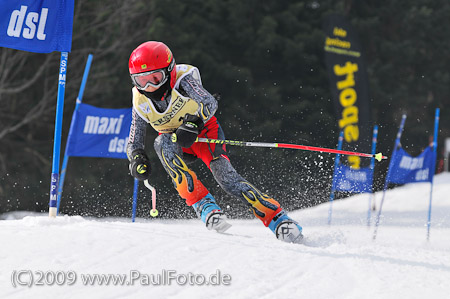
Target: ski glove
(187, 133)
(139, 165)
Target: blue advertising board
(407, 169)
(40, 26)
(99, 132)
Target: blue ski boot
(211, 214)
(286, 229)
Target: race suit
(165, 116)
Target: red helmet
(152, 63)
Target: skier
(172, 99)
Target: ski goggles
(154, 78)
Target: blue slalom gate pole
(135, 191)
(397, 143)
(52, 211)
(372, 166)
(435, 141)
(78, 102)
(333, 185)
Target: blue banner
(353, 180)
(40, 26)
(99, 132)
(406, 169)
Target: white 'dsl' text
(33, 21)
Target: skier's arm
(192, 125)
(139, 163)
(136, 138)
(194, 90)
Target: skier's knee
(158, 144)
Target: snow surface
(337, 261)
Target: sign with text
(406, 169)
(40, 26)
(353, 180)
(349, 87)
(99, 132)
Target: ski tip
(379, 157)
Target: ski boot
(211, 214)
(286, 229)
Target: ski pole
(378, 156)
(153, 211)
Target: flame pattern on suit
(185, 180)
(263, 206)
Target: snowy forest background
(265, 58)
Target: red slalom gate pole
(377, 157)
